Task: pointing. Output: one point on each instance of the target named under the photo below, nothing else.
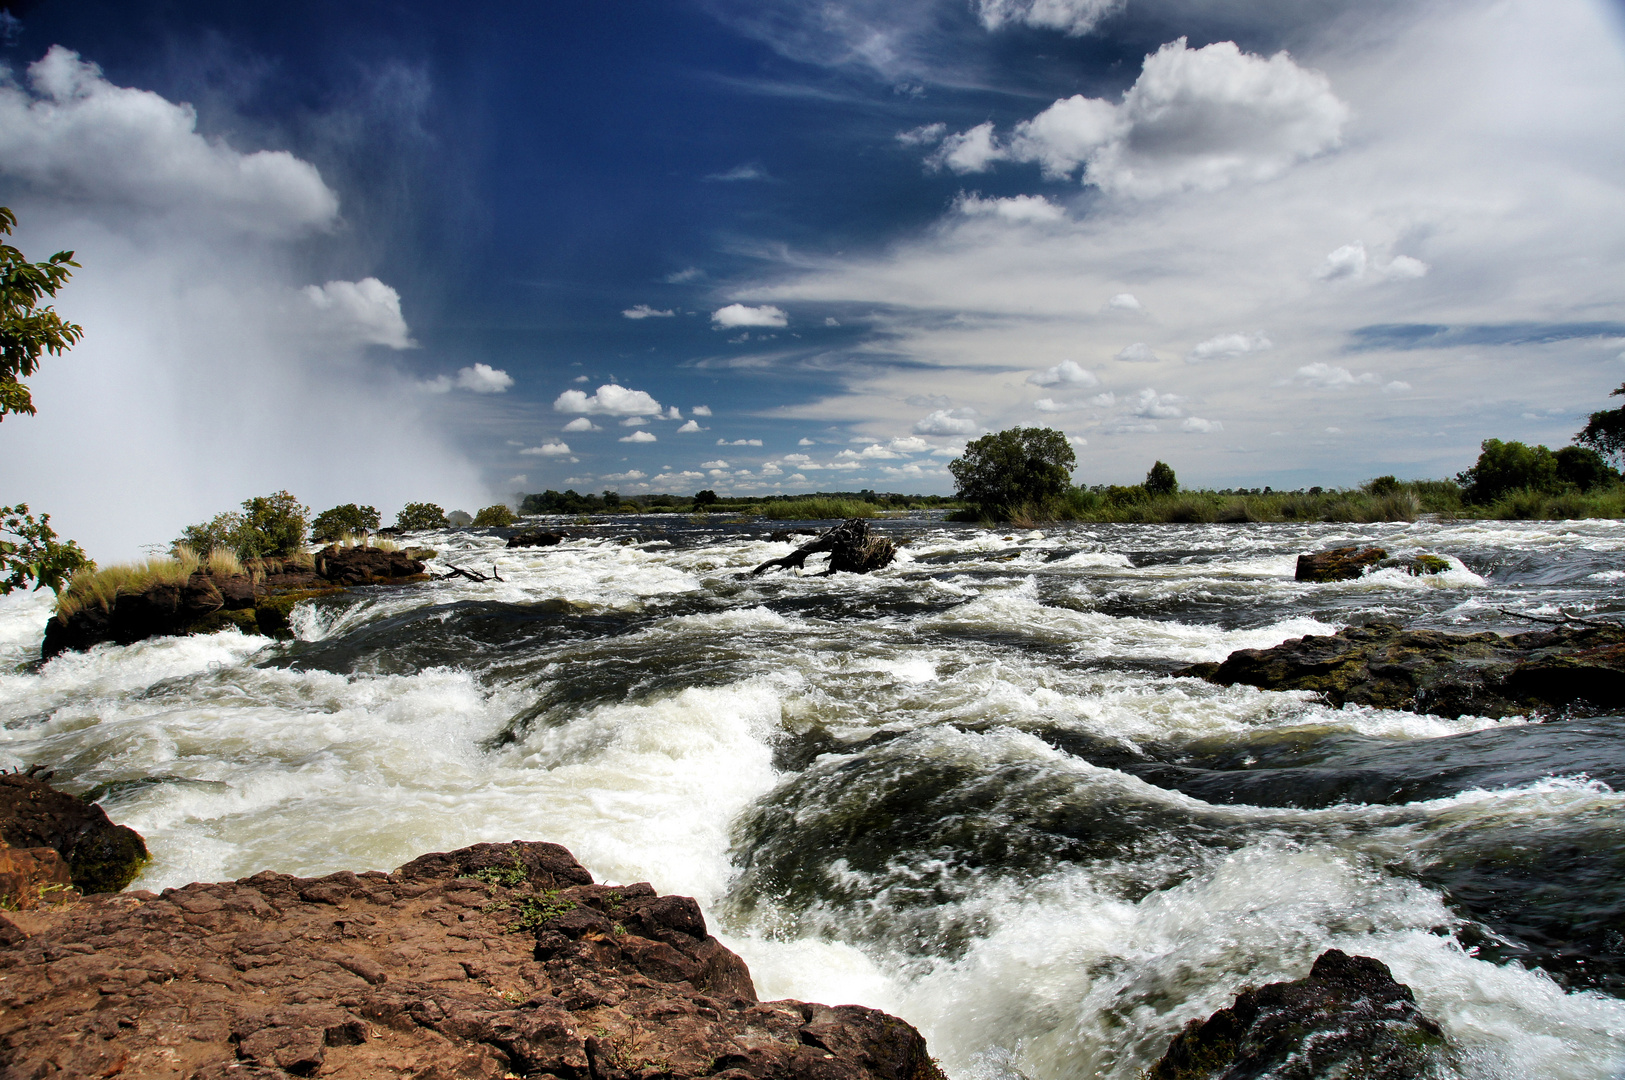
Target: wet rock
(99, 855)
(852, 549)
(1338, 564)
(1578, 669)
(365, 565)
(456, 965)
(1347, 1018)
(535, 538)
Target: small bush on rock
(341, 521)
(495, 517)
(418, 517)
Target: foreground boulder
(257, 603)
(1577, 668)
(852, 549)
(1347, 1018)
(491, 961)
(35, 818)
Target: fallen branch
(472, 575)
(1566, 620)
(851, 546)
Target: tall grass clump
(818, 509)
(102, 586)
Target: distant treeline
(814, 506)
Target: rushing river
(967, 789)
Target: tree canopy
(497, 516)
(1605, 431)
(28, 330)
(1014, 469)
(29, 548)
(1160, 480)
(417, 517)
(1508, 466)
(348, 519)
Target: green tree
(335, 523)
(29, 547)
(1161, 480)
(495, 517)
(418, 517)
(1382, 485)
(1508, 466)
(1605, 431)
(274, 526)
(223, 531)
(1014, 469)
(26, 329)
(30, 551)
(704, 497)
(1583, 467)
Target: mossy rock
(1429, 564)
(243, 619)
(107, 860)
(272, 612)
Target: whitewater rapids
(927, 789)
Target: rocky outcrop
(1338, 564)
(852, 549)
(98, 855)
(492, 961)
(1347, 1018)
(1576, 668)
(535, 538)
(258, 603)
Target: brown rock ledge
(498, 960)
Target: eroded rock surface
(98, 855)
(492, 961)
(535, 538)
(1578, 669)
(1347, 1018)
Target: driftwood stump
(852, 548)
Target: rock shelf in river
(255, 604)
(491, 961)
(1578, 668)
(1347, 1018)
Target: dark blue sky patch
(1405, 336)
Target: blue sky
(381, 252)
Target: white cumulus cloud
(78, 137)
(743, 315)
(1074, 17)
(367, 312)
(924, 135)
(638, 436)
(690, 427)
(1155, 406)
(608, 400)
(644, 311)
(1199, 426)
(701, 410)
(1022, 209)
(1195, 118)
(1351, 263)
(1325, 376)
(581, 423)
(1227, 347)
(1066, 373)
(1137, 353)
(484, 379)
(948, 422)
(548, 449)
(1125, 302)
